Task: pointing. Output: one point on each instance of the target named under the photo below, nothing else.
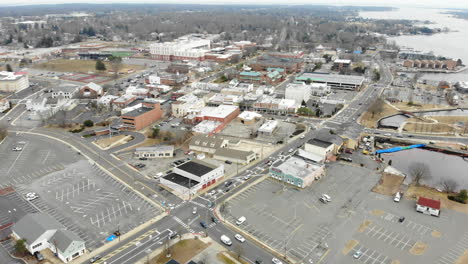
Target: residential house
(44, 232)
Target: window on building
(168, 154)
(37, 245)
(76, 255)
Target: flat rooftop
(181, 180)
(221, 111)
(297, 167)
(197, 168)
(137, 112)
(156, 148)
(331, 78)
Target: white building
(187, 104)
(268, 127)
(320, 148)
(235, 156)
(43, 232)
(161, 151)
(298, 92)
(428, 206)
(13, 81)
(65, 90)
(190, 47)
(192, 176)
(297, 172)
(107, 99)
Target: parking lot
(38, 157)
(296, 224)
(78, 194)
(89, 202)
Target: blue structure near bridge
(396, 149)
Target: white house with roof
(44, 232)
(4, 105)
(91, 90)
(64, 90)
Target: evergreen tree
(100, 66)
(8, 68)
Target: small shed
(428, 206)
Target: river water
(451, 44)
(441, 166)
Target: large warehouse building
(335, 81)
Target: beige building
(13, 81)
(207, 144)
(155, 152)
(235, 156)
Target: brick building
(290, 65)
(431, 64)
(143, 116)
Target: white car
(276, 261)
(213, 192)
(194, 211)
(31, 194)
(291, 150)
(240, 238)
(17, 149)
(326, 197)
(358, 254)
(303, 136)
(32, 197)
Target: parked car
(172, 234)
(17, 149)
(397, 197)
(228, 183)
(326, 197)
(357, 254)
(143, 158)
(258, 261)
(194, 211)
(214, 219)
(276, 261)
(228, 162)
(240, 238)
(95, 258)
(401, 219)
(39, 256)
(213, 192)
(241, 220)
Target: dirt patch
(349, 246)
(377, 212)
(436, 234)
(182, 252)
(369, 120)
(395, 262)
(233, 255)
(418, 248)
(414, 192)
(389, 184)
(83, 66)
(364, 226)
(418, 107)
(225, 259)
(113, 141)
(463, 259)
(426, 127)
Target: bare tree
(116, 65)
(419, 171)
(238, 251)
(449, 185)
(376, 107)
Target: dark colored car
(143, 158)
(95, 258)
(39, 256)
(228, 162)
(228, 183)
(401, 219)
(203, 224)
(214, 219)
(258, 261)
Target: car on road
(213, 192)
(194, 210)
(276, 261)
(8, 119)
(397, 197)
(214, 219)
(203, 224)
(228, 183)
(346, 159)
(258, 261)
(387, 134)
(290, 150)
(143, 158)
(172, 234)
(95, 258)
(228, 162)
(226, 240)
(357, 254)
(303, 136)
(240, 238)
(17, 149)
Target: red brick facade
(145, 119)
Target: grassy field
(112, 141)
(368, 120)
(83, 66)
(182, 252)
(419, 107)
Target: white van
(240, 220)
(225, 239)
(397, 197)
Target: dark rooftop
(138, 111)
(181, 180)
(320, 143)
(196, 168)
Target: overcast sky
(396, 3)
